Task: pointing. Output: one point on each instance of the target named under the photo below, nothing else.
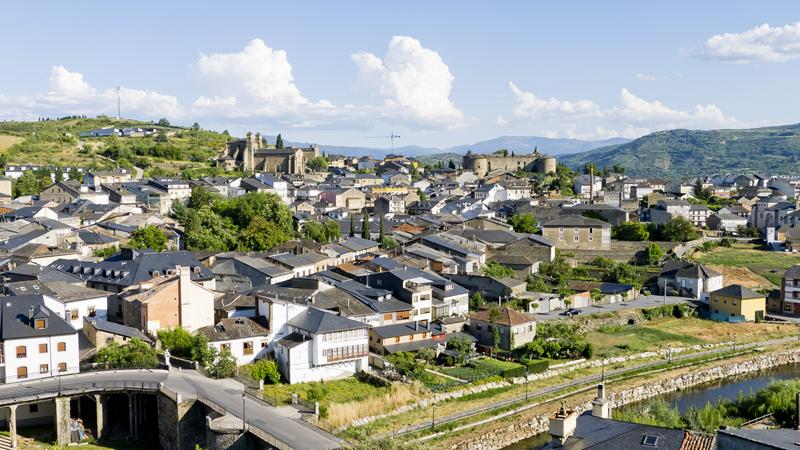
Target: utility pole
(118, 105)
(391, 138)
(244, 416)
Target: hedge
(534, 366)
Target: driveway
(643, 301)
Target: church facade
(251, 155)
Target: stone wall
(505, 436)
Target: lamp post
(526, 383)
(669, 354)
(734, 341)
(244, 413)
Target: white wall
(71, 356)
(100, 305)
(196, 303)
(237, 348)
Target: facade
(406, 337)
(481, 165)
(578, 233)
(736, 303)
(690, 279)
(102, 332)
(790, 292)
(246, 338)
(251, 155)
(514, 328)
(72, 302)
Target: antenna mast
(392, 137)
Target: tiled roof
(508, 316)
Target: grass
(7, 140)
(767, 264)
(497, 365)
(399, 394)
(337, 391)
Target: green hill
(681, 153)
(174, 151)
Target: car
(574, 311)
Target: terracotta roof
(698, 441)
(508, 316)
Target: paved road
(226, 394)
(642, 301)
(588, 381)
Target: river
(698, 396)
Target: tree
(427, 354)
(352, 226)
(381, 231)
(242, 210)
(494, 317)
(318, 164)
(524, 223)
(452, 164)
(321, 231)
(208, 231)
(201, 351)
(195, 126)
(279, 142)
(261, 235)
(150, 237)
(461, 346)
(679, 229)
(177, 340)
(265, 369)
(653, 254)
(75, 175)
(559, 270)
(224, 366)
(597, 296)
(534, 306)
(365, 232)
(202, 197)
(476, 301)
(161, 137)
(630, 231)
(496, 270)
(27, 184)
(389, 243)
(163, 122)
(136, 353)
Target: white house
(246, 338)
(70, 301)
(36, 341)
(322, 346)
(690, 279)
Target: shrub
(372, 379)
(514, 372)
(265, 369)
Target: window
(62, 367)
(247, 348)
(40, 324)
(22, 351)
(264, 344)
(44, 368)
(73, 314)
(92, 311)
(576, 237)
(33, 408)
(22, 372)
(62, 346)
(397, 339)
(225, 347)
(42, 348)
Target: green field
(338, 391)
(768, 264)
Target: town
(381, 297)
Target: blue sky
(438, 73)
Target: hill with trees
(684, 153)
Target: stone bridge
(190, 410)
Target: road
(587, 381)
(642, 301)
(226, 394)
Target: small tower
(258, 140)
(601, 407)
(249, 153)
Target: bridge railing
(50, 387)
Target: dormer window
(40, 324)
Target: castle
(532, 162)
(249, 154)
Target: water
(698, 396)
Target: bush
(371, 379)
(265, 369)
(537, 366)
(514, 372)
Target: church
(249, 154)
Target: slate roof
(508, 316)
(684, 269)
(16, 324)
(793, 273)
(738, 291)
(235, 328)
(118, 329)
(782, 438)
(574, 220)
(318, 321)
(63, 291)
(408, 328)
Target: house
(237, 272)
(352, 199)
(522, 265)
(304, 264)
(169, 302)
(36, 341)
(96, 178)
(408, 285)
(102, 332)
(736, 303)
(322, 346)
(532, 246)
(514, 328)
(586, 185)
(73, 302)
(612, 292)
(245, 337)
(790, 291)
(726, 222)
(578, 233)
(234, 304)
(490, 288)
(687, 278)
(406, 337)
(470, 255)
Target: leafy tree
(196, 126)
(150, 237)
(279, 142)
(163, 122)
(461, 346)
(597, 296)
(625, 274)
(524, 223)
(224, 366)
(321, 231)
(162, 137)
(427, 354)
(496, 270)
(559, 270)
(28, 184)
(318, 164)
(136, 353)
(423, 197)
(534, 306)
(476, 301)
(389, 243)
(265, 369)
(653, 254)
(242, 210)
(452, 164)
(202, 352)
(75, 175)
(104, 252)
(202, 197)
(617, 168)
(679, 229)
(365, 233)
(630, 231)
(209, 231)
(177, 340)
(261, 235)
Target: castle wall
(483, 164)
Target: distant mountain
(680, 153)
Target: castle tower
(249, 153)
(258, 141)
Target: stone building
(251, 155)
(532, 162)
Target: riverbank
(534, 421)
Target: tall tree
(279, 142)
(352, 226)
(150, 237)
(365, 233)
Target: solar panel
(650, 440)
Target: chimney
(563, 424)
(416, 325)
(30, 315)
(601, 408)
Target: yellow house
(736, 303)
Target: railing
(72, 387)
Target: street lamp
(526, 383)
(669, 354)
(244, 413)
(734, 341)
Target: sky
(438, 73)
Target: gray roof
(15, 320)
(293, 261)
(574, 220)
(235, 328)
(685, 269)
(782, 438)
(405, 329)
(738, 291)
(63, 291)
(319, 321)
(118, 329)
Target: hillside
(681, 153)
(525, 144)
(57, 142)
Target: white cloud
(501, 121)
(763, 43)
(529, 106)
(633, 117)
(70, 93)
(414, 83)
(645, 77)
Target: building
(250, 154)
(689, 279)
(73, 302)
(578, 233)
(406, 337)
(514, 328)
(169, 302)
(729, 223)
(736, 303)
(102, 332)
(790, 291)
(246, 338)
(481, 165)
(36, 341)
(322, 346)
